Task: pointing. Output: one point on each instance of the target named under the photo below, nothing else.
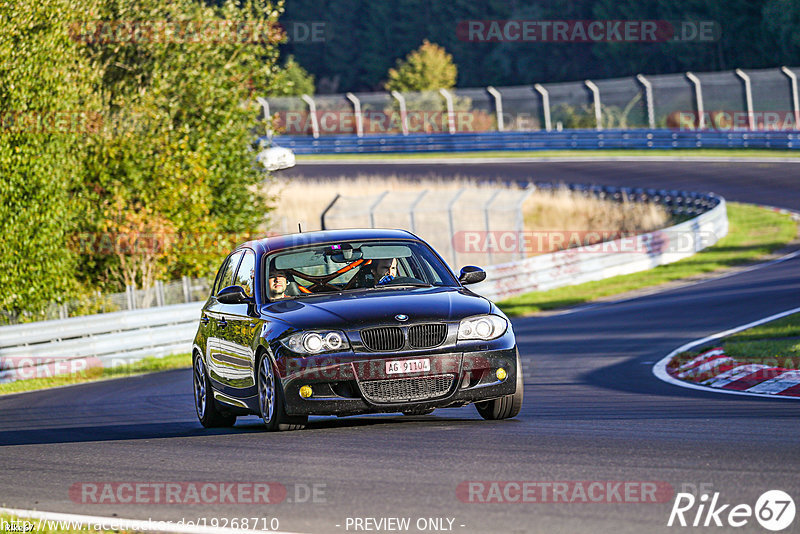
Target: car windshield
(354, 266)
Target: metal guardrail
(43, 348)
(53, 347)
(709, 224)
(540, 140)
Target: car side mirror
(471, 275)
(233, 295)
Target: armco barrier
(540, 140)
(43, 348)
(52, 347)
(623, 256)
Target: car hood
(362, 308)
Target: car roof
(271, 244)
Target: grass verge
(776, 343)
(146, 365)
(693, 153)
(753, 233)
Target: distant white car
(275, 158)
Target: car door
(236, 327)
(213, 316)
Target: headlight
(483, 327)
(316, 342)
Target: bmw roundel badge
(401, 317)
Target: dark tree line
(364, 38)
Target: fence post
(130, 297)
(312, 110)
(520, 217)
(187, 290)
(748, 98)
(648, 98)
(452, 224)
(413, 208)
(498, 106)
(488, 226)
(267, 118)
(357, 110)
(159, 293)
(401, 100)
(548, 126)
(372, 208)
(598, 113)
(451, 114)
(698, 94)
(795, 104)
(326, 210)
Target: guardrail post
(401, 100)
(598, 113)
(357, 110)
(698, 95)
(452, 224)
(488, 226)
(451, 114)
(498, 106)
(413, 208)
(312, 110)
(748, 98)
(648, 98)
(795, 103)
(372, 209)
(548, 126)
(267, 118)
(187, 290)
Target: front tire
(271, 405)
(504, 407)
(206, 407)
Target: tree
(428, 68)
(45, 115)
(292, 80)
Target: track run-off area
(594, 413)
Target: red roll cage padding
(324, 280)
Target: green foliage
(292, 80)
(429, 68)
(152, 145)
(43, 76)
(367, 37)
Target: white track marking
(544, 159)
(128, 524)
(660, 368)
(777, 384)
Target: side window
(245, 276)
(226, 274)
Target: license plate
(407, 366)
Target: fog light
(305, 392)
(501, 374)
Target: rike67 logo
(774, 510)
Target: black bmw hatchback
(349, 322)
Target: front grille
(423, 336)
(407, 389)
(383, 338)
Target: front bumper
(361, 385)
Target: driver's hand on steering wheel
(385, 280)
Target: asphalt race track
(593, 410)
